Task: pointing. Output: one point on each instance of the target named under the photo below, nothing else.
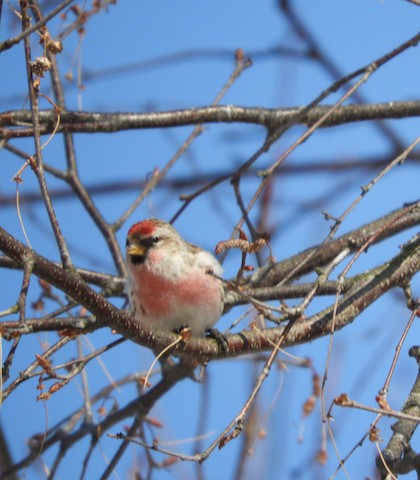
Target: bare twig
(37, 165)
(30, 29)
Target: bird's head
(141, 237)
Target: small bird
(170, 282)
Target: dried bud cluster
(40, 66)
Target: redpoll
(170, 282)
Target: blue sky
(205, 35)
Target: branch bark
(395, 273)
(398, 454)
(271, 119)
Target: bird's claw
(221, 340)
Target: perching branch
(370, 287)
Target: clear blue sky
(352, 34)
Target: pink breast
(159, 297)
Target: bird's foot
(221, 340)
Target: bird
(172, 283)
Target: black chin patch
(137, 259)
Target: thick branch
(91, 122)
(68, 281)
(321, 255)
(393, 274)
(398, 454)
(106, 314)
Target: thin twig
(37, 166)
(30, 29)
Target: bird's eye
(155, 239)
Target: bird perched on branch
(172, 283)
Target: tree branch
(398, 454)
(91, 122)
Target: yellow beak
(136, 250)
